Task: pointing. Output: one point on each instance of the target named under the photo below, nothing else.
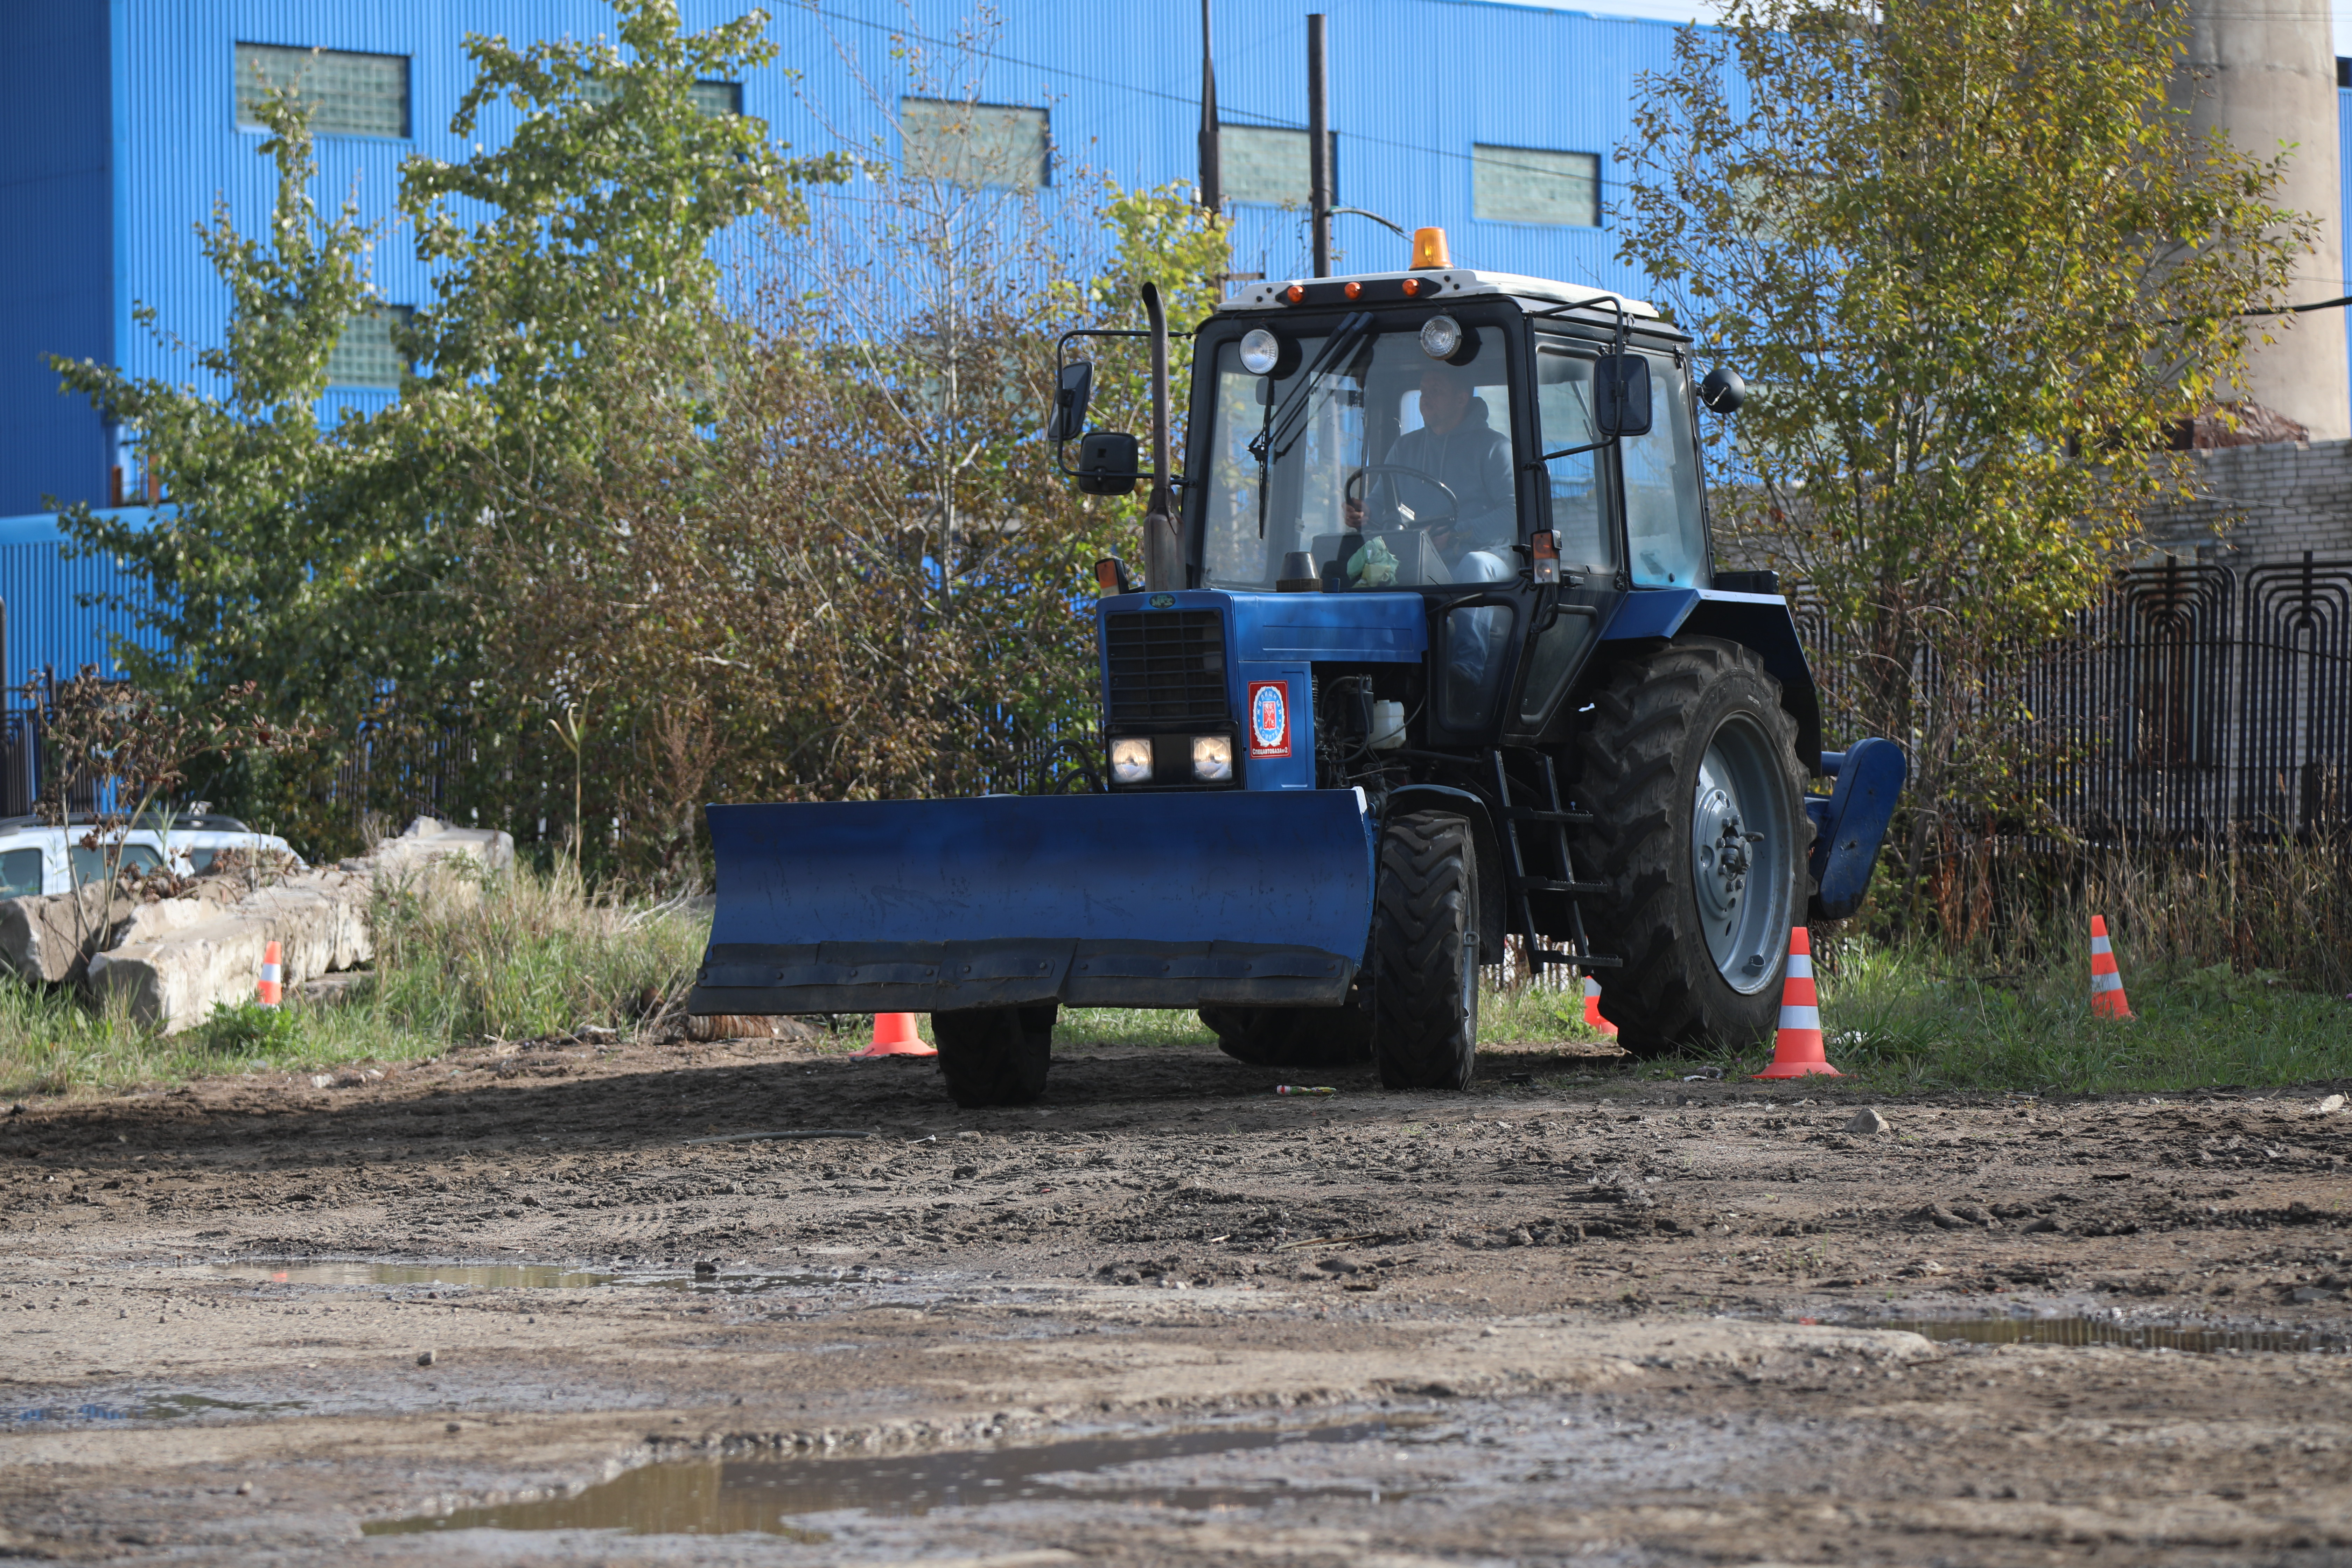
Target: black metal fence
(2197, 701)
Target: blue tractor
(1430, 652)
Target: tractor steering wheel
(1452, 502)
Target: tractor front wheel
(1425, 953)
(996, 1056)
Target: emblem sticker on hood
(1269, 718)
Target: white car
(34, 859)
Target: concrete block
(319, 919)
(428, 839)
(48, 938)
(174, 983)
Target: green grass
(463, 961)
(459, 960)
(1903, 1021)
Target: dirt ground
(1575, 1317)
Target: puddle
(727, 1498)
(2126, 1336)
(523, 1277)
(486, 1277)
(742, 1284)
(166, 1408)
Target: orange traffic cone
(2106, 981)
(270, 976)
(1592, 1019)
(894, 1036)
(1797, 1050)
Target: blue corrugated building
(125, 120)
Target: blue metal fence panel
(42, 592)
(56, 269)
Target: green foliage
(524, 956)
(1979, 269)
(250, 1030)
(334, 565)
(266, 564)
(1163, 236)
(633, 539)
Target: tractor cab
(1519, 452)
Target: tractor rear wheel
(1689, 767)
(1425, 953)
(1294, 1037)
(996, 1056)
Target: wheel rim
(1741, 854)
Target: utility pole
(1319, 140)
(1213, 172)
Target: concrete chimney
(2267, 70)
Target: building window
(1526, 184)
(715, 98)
(988, 145)
(365, 355)
(1266, 166)
(347, 94)
(718, 99)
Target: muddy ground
(1579, 1318)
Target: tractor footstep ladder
(1518, 881)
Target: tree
(331, 564)
(251, 572)
(1979, 269)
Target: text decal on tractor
(1430, 652)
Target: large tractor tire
(1425, 954)
(1689, 767)
(996, 1056)
(1295, 1037)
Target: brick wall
(2269, 503)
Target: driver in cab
(1457, 448)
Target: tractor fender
(1494, 910)
(1759, 621)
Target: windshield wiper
(1278, 436)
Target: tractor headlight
(1441, 337)
(1213, 759)
(1130, 760)
(1261, 351)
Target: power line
(1244, 118)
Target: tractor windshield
(1364, 452)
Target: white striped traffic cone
(270, 989)
(1592, 1019)
(2106, 982)
(1797, 1049)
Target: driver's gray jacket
(1473, 461)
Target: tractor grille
(1165, 667)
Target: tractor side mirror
(1068, 415)
(1107, 463)
(1620, 395)
(1723, 391)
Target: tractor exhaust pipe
(1163, 545)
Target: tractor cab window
(1579, 510)
(1665, 535)
(1391, 469)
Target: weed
(250, 1028)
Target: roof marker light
(1352, 290)
(1295, 293)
